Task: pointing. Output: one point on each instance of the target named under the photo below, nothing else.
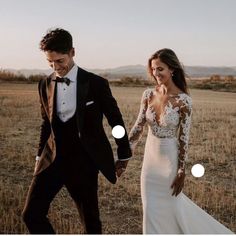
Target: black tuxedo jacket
(89, 118)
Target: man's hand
(178, 183)
(120, 167)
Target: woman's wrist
(181, 163)
(180, 170)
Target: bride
(167, 110)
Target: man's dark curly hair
(58, 40)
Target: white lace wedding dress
(167, 139)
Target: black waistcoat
(66, 133)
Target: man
(73, 146)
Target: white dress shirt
(66, 96)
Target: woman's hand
(178, 182)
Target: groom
(73, 146)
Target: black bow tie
(63, 80)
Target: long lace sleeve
(184, 128)
(137, 130)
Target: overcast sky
(112, 33)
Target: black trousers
(73, 169)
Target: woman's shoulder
(185, 96)
(185, 99)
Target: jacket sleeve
(114, 117)
(45, 128)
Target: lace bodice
(173, 121)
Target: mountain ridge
(138, 71)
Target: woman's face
(160, 71)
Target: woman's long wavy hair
(169, 57)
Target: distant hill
(140, 71)
(202, 71)
(28, 72)
(130, 70)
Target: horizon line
(130, 65)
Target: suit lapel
(51, 91)
(82, 91)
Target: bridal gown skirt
(162, 212)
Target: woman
(167, 109)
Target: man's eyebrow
(56, 59)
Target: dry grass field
(212, 143)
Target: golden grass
(212, 143)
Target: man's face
(60, 63)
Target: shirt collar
(72, 74)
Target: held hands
(178, 182)
(120, 167)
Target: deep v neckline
(159, 116)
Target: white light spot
(198, 170)
(118, 131)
